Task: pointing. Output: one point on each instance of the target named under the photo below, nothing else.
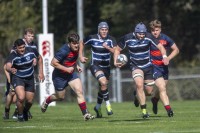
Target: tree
(15, 17)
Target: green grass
(67, 118)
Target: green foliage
(180, 20)
(126, 118)
(15, 17)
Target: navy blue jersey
(156, 55)
(100, 55)
(23, 63)
(66, 57)
(139, 50)
(32, 45)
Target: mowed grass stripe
(66, 117)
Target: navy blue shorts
(94, 69)
(148, 71)
(28, 83)
(160, 71)
(61, 81)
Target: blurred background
(180, 20)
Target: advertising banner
(46, 50)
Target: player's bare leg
(58, 96)
(77, 87)
(161, 84)
(20, 100)
(138, 78)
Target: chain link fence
(183, 84)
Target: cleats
(98, 112)
(109, 110)
(88, 116)
(170, 113)
(155, 106)
(136, 102)
(6, 116)
(15, 114)
(20, 118)
(145, 114)
(25, 114)
(44, 106)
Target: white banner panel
(46, 50)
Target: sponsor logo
(47, 76)
(46, 48)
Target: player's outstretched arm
(81, 56)
(6, 73)
(175, 51)
(41, 73)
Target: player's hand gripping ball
(121, 58)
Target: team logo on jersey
(105, 43)
(163, 42)
(19, 61)
(45, 48)
(27, 58)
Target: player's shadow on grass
(10, 120)
(134, 120)
(156, 116)
(152, 118)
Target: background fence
(183, 84)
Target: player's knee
(104, 83)
(162, 87)
(139, 85)
(20, 99)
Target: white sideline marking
(24, 127)
(190, 131)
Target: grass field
(66, 118)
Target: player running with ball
(138, 44)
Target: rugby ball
(121, 58)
